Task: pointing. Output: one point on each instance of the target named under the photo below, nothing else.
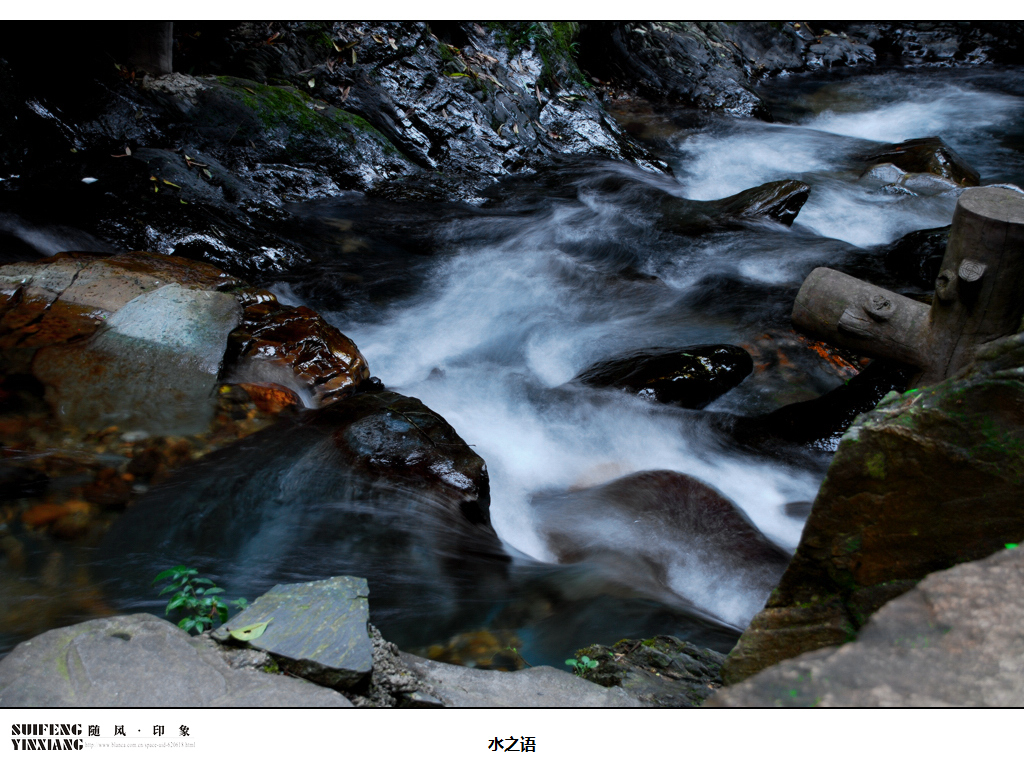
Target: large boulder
(689, 377)
(954, 640)
(140, 661)
(140, 340)
(664, 532)
(927, 480)
(375, 485)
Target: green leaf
(168, 572)
(203, 582)
(174, 603)
(186, 624)
(214, 590)
(248, 633)
(571, 662)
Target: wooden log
(979, 294)
(855, 314)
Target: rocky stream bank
(181, 248)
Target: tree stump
(979, 295)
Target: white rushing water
(847, 118)
(499, 329)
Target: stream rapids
(487, 312)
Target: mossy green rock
(927, 480)
(315, 630)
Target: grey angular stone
(315, 630)
(132, 661)
(537, 687)
(957, 639)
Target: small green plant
(196, 597)
(516, 653)
(581, 666)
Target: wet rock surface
(953, 640)
(917, 257)
(660, 672)
(690, 377)
(109, 336)
(650, 528)
(772, 202)
(295, 347)
(820, 422)
(375, 485)
(926, 480)
(922, 165)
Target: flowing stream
(493, 310)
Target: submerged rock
(375, 485)
(921, 159)
(820, 422)
(926, 480)
(917, 256)
(772, 202)
(665, 533)
(954, 640)
(689, 377)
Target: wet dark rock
(926, 480)
(662, 672)
(295, 345)
(833, 50)
(375, 485)
(495, 101)
(930, 156)
(689, 377)
(819, 423)
(772, 202)
(675, 524)
(917, 256)
(695, 63)
(937, 43)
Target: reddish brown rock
(296, 342)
